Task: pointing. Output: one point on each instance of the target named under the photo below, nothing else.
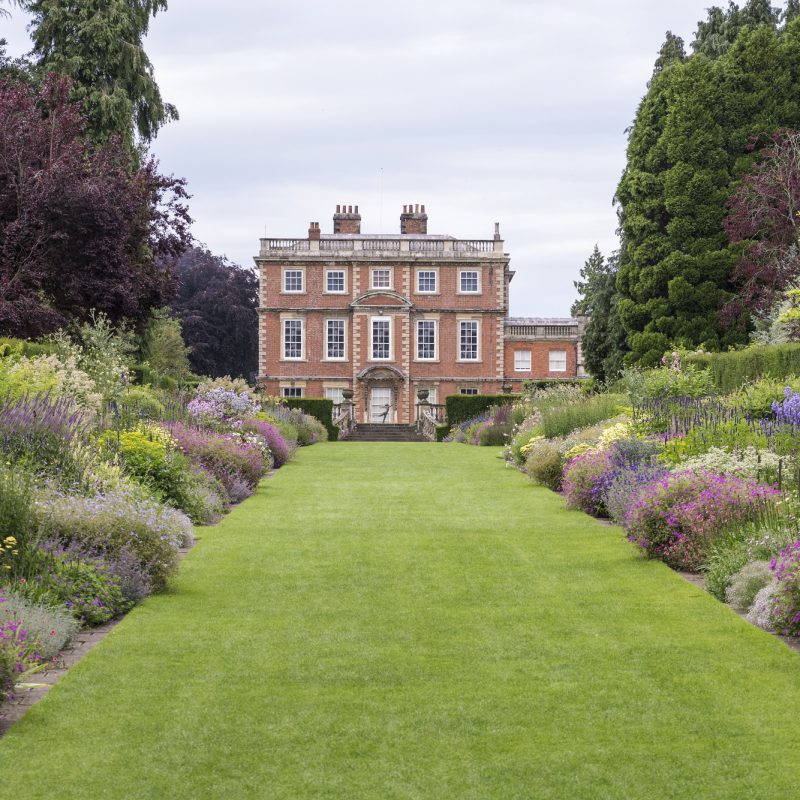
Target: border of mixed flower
(102, 482)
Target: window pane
(468, 341)
(335, 338)
(558, 361)
(426, 281)
(468, 390)
(469, 281)
(522, 360)
(380, 338)
(426, 338)
(292, 391)
(293, 280)
(334, 394)
(336, 281)
(381, 279)
(293, 338)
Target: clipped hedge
(319, 407)
(732, 369)
(546, 383)
(21, 347)
(461, 407)
(441, 432)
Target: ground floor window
(558, 361)
(334, 393)
(291, 391)
(522, 360)
(468, 390)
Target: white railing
(285, 244)
(474, 245)
(335, 244)
(380, 244)
(426, 245)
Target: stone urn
(423, 394)
(347, 394)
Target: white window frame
(328, 273)
(517, 361)
(461, 274)
(374, 285)
(469, 390)
(459, 343)
(335, 390)
(284, 325)
(291, 391)
(435, 324)
(550, 355)
(372, 321)
(327, 356)
(420, 273)
(285, 282)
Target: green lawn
(416, 621)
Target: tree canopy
(81, 227)
(687, 149)
(98, 45)
(217, 305)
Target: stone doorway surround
(382, 376)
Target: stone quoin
(387, 315)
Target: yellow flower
(9, 540)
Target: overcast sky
(512, 111)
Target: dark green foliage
(441, 432)
(729, 371)
(687, 148)
(319, 407)
(98, 45)
(546, 383)
(461, 407)
(604, 341)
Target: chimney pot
(356, 209)
(423, 208)
(337, 209)
(416, 208)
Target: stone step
(366, 432)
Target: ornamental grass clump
(676, 518)
(584, 480)
(786, 599)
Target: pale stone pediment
(383, 298)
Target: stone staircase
(364, 432)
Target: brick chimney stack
(313, 232)
(414, 219)
(346, 220)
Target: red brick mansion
(386, 315)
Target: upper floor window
(426, 339)
(381, 338)
(293, 280)
(522, 360)
(468, 390)
(469, 282)
(291, 391)
(293, 338)
(468, 340)
(426, 281)
(381, 279)
(334, 280)
(334, 339)
(558, 361)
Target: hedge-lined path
(416, 621)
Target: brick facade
(388, 315)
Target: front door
(380, 402)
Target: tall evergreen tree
(687, 149)
(98, 45)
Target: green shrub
(544, 463)
(755, 399)
(495, 435)
(730, 371)
(137, 403)
(727, 555)
(21, 347)
(461, 407)
(441, 432)
(321, 408)
(747, 583)
(562, 420)
(19, 555)
(662, 382)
